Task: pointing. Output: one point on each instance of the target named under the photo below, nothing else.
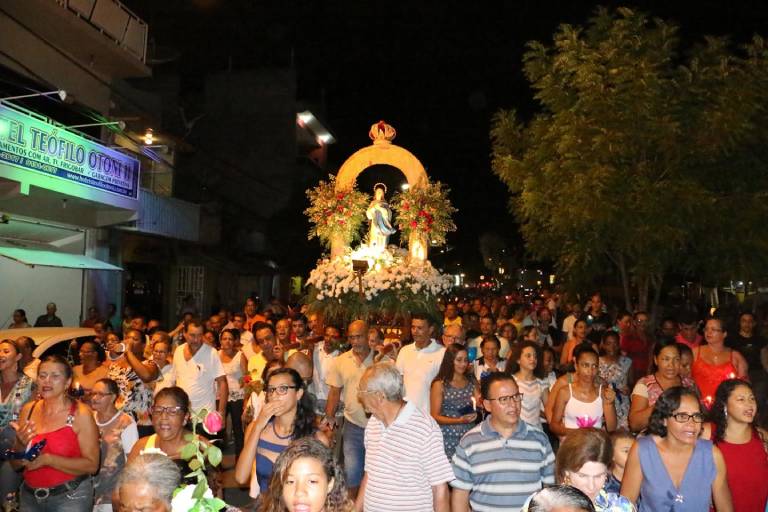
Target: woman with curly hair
(306, 478)
(671, 468)
(743, 444)
(286, 415)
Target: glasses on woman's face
(683, 417)
(175, 410)
(505, 400)
(280, 390)
(99, 394)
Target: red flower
(340, 208)
(422, 213)
(342, 222)
(340, 196)
(414, 224)
(406, 207)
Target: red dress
(747, 472)
(709, 376)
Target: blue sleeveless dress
(658, 493)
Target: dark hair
(717, 412)
(657, 348)
(215, 337)
(270, 364)
(584, 347)
(101, 355)
(304, 423)
(176, 394)
(581, 446)
(16, 347)
(239, 314)
(487, 381)
(513, 366)
(56, 358)
(22, 313)
(142, 339)
(445, 373)
(234, 332)
(262, 325)
(194, 322)
(489, 317)
(423, 316)
(298, 317)
(490, 338)
(525, 331)
(336, 499)
(684, 349)
(666, 405)
(111, 386)
(557, 497)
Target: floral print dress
(615, 374)
(136, 394)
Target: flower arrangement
(394, 285)
(199, 498)
(425, 211)
(335, 213)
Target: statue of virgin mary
(380, 215)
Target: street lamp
(62, 94)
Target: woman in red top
(59, 478)
(714, 362)
(744, 446)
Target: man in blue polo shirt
(503, 460)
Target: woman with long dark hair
(525, 364)
(286, 415)
(306, 478)
(451, 396)
(743, 444)
(671, 468)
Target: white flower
(183, 501)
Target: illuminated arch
(382, 151)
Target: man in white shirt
(487, 331)
(420, 361)
(199, 372)
(322, 358)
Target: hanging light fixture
(149, 137)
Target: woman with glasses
(91, 368)
(743, 444)
(583, 461)
(118, 434)
(170, 414)
(166, 377)
(286, 415)
(714, 362)
(671, 468)
(585, 403)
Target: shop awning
(43, 258)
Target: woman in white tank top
(584, 403)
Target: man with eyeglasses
(503, 460)
(454, 334)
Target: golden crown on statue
(382, 133)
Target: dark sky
(437, 71)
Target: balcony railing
(115, 21)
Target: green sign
(40, 147)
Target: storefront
(59, 192)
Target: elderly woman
(59, 478)
(117, 434)
(147, 484)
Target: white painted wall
(30, 289)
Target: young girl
(306, 479)
(525, 366)
(622, 441)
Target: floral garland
(335, 212)
(425, 211)
(395, 285)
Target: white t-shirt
(321, 362)
(419, 368)
(198, 376)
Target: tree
(640, 158)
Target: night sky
(437, 71)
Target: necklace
(289, 436)
(110, 420)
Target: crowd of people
(503, 404)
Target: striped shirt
(501, 473)
(403, 462)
